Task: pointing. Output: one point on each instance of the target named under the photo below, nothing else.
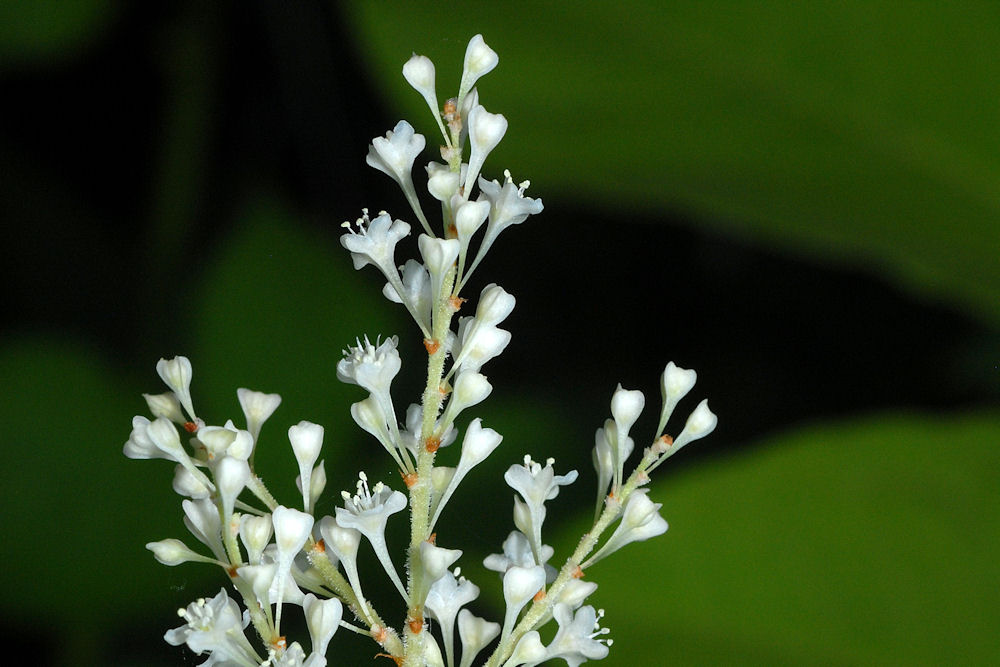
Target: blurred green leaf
(873, 542)
(44, 32)
(864, 132)
(66, 416)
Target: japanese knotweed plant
(275, 554)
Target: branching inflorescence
(276, 555)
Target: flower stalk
(276, 555)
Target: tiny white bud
(257, 407)
(470, 388)
(470, 217)
(419, 73)
(700, 423)
(480, 59)
(231, 476)
(291, 530)
(172, 552)
(495, 304)
(255, 532)
(475, 633)
(626, 406)
(436, 560)
(438, 254)
(307, 440)
(485, 132)
(529, 650)
(165, 405)
(216, 440)
(176, 374)
(675, 383)
(442, 182)
(322, 619)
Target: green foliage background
(856, 136)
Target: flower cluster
(275, 555)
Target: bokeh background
(799, 200)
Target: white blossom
(257, 408)
(394, 153)
(480, 59)
(536, 484)
(577, 639)
(215, 627)
(375, 243)
(368, 511)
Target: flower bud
(701, 422)
(172, 552)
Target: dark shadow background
(129, 159)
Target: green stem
(421, 488)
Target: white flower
(508, 205)
(368, 512)
(485, 132)
(478, 343)
(480, 59)
(216, 627)
(520, 584)
(446, 597)
(469, 217)
(436, 560)
(323, 619)
(216, 441)
(255, 532)
(369, 415)
(419, 73)
(307, 440)
(176, 374)
(257, 407)
(416, 293)
(344, 543)
(439, 256)
(529, 650)
(495, 304)
(576, 641)
(173, 552)
(626, 405)
(700, 423)
(517, 551)
(165, 405)
(375, 243)
(675, 383)
(231, 476)
(604, 462)
(640, 521)
(139, 445)
(442, 182)
(536, 484)
(201, 517)
(187, 485)
(291, 530)
(477, 444)
(394, 154)
(470, 389)
(371, 366)
(475, 633)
